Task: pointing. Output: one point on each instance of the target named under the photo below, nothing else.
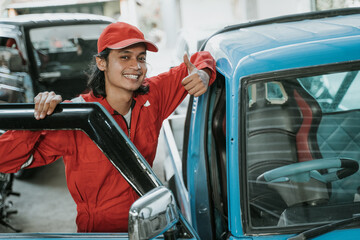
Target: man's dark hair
(96, 80)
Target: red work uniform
(102, 195)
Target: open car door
(94, 120)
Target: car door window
(335, 92)
(8, 52)
(63, 51)
(61, 56)
(297, 129)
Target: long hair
(96, 81)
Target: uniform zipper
(127, 126)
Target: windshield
(303, 149)
(64, 51)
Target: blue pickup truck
(271, 151)
(273, 148)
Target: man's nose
(135, 64)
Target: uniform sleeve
(167, 86)
(20, 149)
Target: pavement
(45, 204)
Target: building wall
(211, 15)
(112, 9)
(206, 13)
(274, 8)
(213, 12)
(107, 8)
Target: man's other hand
(45, 103)
(197, 82)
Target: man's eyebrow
(128, 51)
(125, 51)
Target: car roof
(51, 19)
(292, 41)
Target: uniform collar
(90, 97)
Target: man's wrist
(208, 71)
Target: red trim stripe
(302, 136)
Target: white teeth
(132, 76)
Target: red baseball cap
(121, 35)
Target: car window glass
(334, 92)
(8, 51)
(275, 93)
(64, 51)
(299, 130)
(251, 94)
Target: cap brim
(128, 42)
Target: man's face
(125, 69)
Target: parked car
(46, 52)
(271, 151)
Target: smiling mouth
(131, 76)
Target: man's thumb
(188, 64)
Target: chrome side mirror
(152, 214)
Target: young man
(138, 104)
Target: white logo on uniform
(147, 103)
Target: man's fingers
(192, 78)
(200, 92)
(190, 67)
(197, 91)
(53, 103)
(194, 85)
(45, 104)
(39, 104)
(190, 81)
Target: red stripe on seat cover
(302, 136)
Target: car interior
(287, 125)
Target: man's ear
(100, 63)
